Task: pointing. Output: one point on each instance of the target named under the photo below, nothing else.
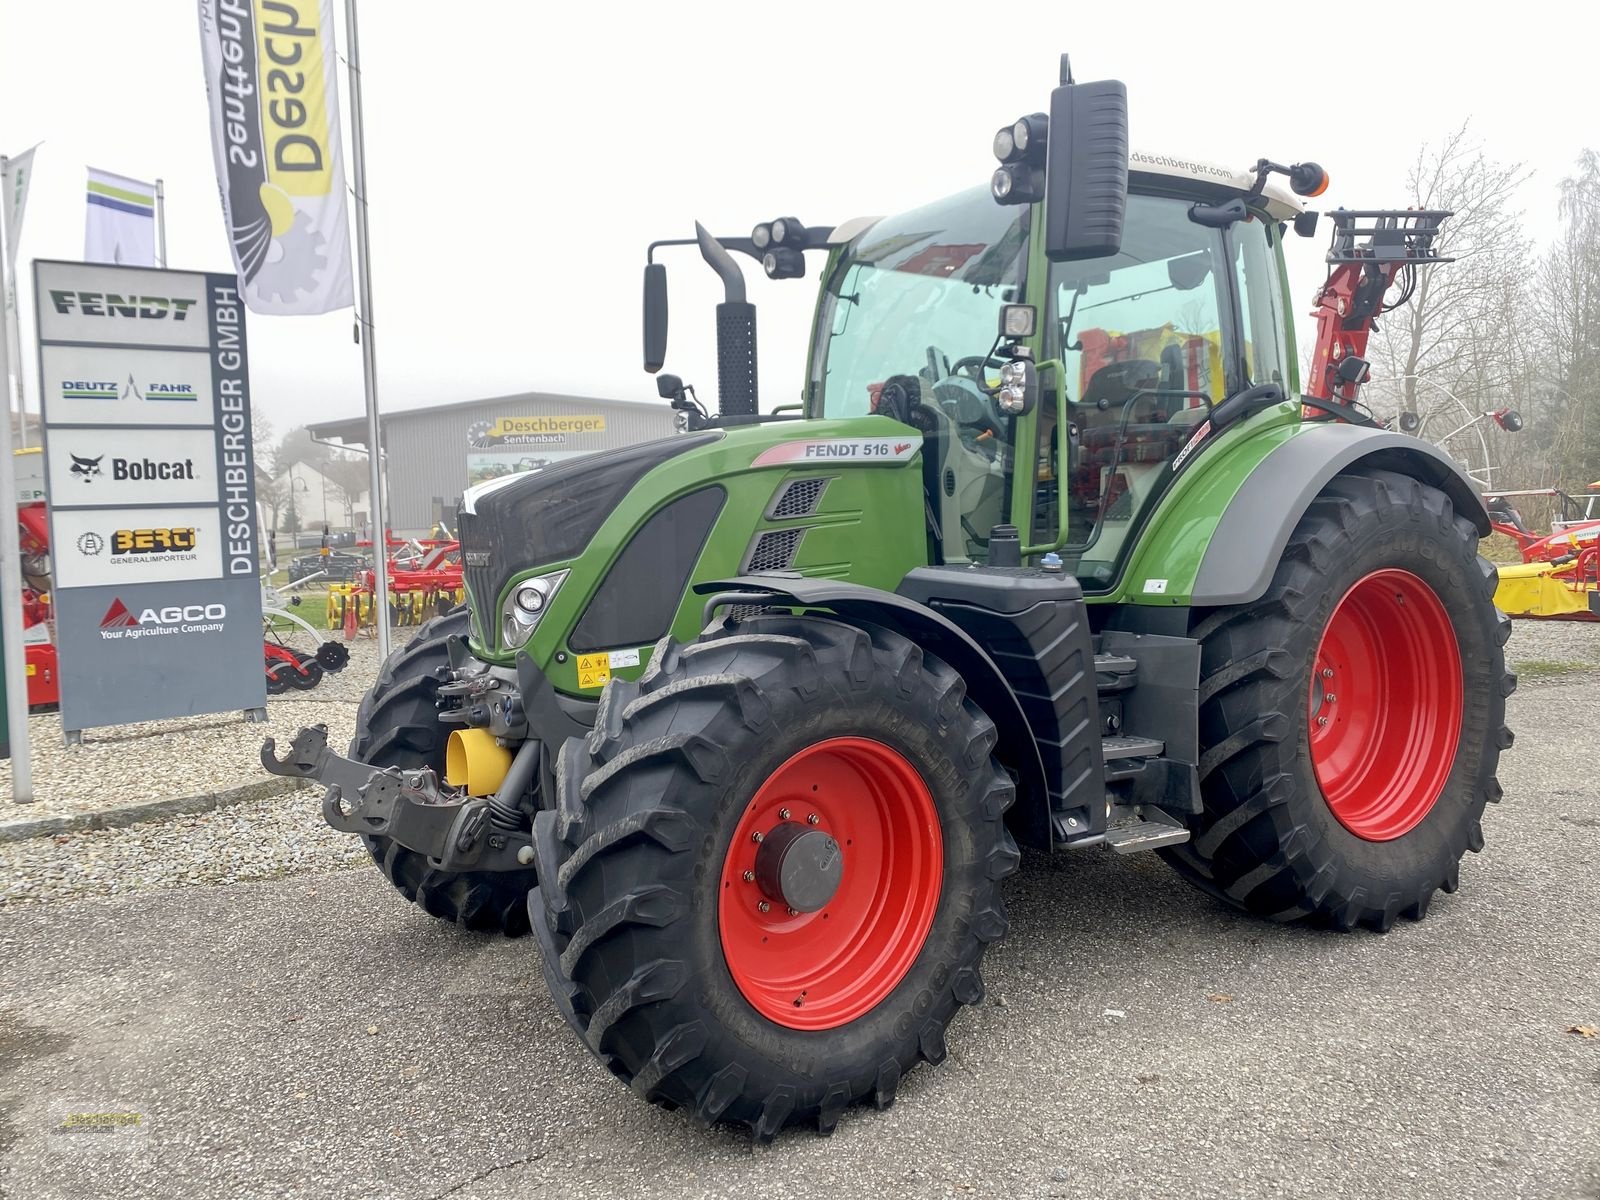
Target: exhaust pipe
(736, 332)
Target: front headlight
(526, 603)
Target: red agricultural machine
(425, 580)
(1560, 573)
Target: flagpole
(369, 355)
(16, 669)
(161, 226)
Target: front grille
(773, 550)
(799, 498)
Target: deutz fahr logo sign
(121, 622)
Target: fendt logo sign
(121, 622)
(133, 308)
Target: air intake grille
(799, 498)
(773, 550)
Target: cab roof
(1152, 169)
(1281, 203)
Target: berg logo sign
(120, 621)
(176, 541)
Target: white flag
(18, 174)
(121, 222)
(274, 103)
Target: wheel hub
(799, 867)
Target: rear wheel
(773, 870)
(398, 726)
(1352, 719)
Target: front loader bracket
(455, 831)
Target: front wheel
(773, 870)
(1351, 720)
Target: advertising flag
(121, 223)
(274, 104)
(18, 174)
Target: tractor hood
(517, 522)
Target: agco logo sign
(121, 622)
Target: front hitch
(454, 830)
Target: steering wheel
(973, 366)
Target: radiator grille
(799, 498)
(773, 550)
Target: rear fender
(1218, 534)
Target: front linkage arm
(457, 833)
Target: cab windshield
(908, 322)
(917, 294)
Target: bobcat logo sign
(120, 622)
(85, 468)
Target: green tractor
(748, 724)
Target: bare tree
(1566, 310)
(1436, 355)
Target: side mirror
(1410, 422)
(1086, 170)
(669, 387)
(655, 317)
(1509, 419)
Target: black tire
(647, 806)
(398, 726)
(309, 674)
(1268, 841)
(277, 680)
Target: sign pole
(16, 668)
(161, 226)
(369, 354)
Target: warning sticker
(624, 658)
(594, 670)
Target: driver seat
(1113, 385)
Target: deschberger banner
(275, 136)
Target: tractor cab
(1133, 352)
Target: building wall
(428, 449)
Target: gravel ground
(262, 839)
(316, 1036)
(284, 834)
(158, 760)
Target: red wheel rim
(1385, 705)
(823, 969)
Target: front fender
(986, 685)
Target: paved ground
(1138, 1041)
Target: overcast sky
(521, 155)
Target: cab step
(1144, 835)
